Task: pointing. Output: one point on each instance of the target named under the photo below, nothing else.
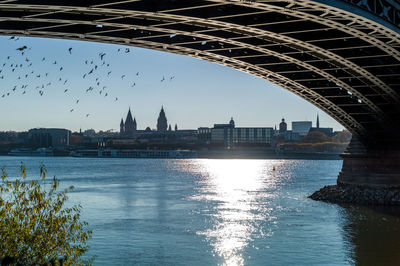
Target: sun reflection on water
(237, 191)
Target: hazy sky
(200, 94)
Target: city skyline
(194, 93)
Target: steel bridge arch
(342, 55)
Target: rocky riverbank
(357, 195)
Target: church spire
(317, 121)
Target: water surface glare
(219, 212)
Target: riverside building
(232, 137)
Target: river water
(219, 212)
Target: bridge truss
(343, 57)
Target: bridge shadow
(372, 234)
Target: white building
(301, 127)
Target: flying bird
(123, 76)
(70, 50)
(22, 48)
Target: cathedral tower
(162, 124)
(130, 124)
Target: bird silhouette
(127, 50)
(123, 76)
(70, 50)
(71, 110)
(163, 78)
(77, 101)
(22, 48)
(87, 115)
(65, 90)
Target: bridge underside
(346, 63)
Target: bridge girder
(345, 64)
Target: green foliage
(35, 226)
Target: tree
(315, 137)
(35, 226)
(342, 137)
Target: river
(219, 212)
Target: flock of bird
(21, 68)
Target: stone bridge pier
(375, 168)
(369, 176)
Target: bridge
(343, 56)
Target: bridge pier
(368, 177)
(369, 168)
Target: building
(301, 127)
(128, 128)
(204, 134)
(282, 126)
(223, 134)
(162, 123)
(233, 137)
(50, 137)
(326, 130)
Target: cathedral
(129, 127)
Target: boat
(109, 153)
(41, 152)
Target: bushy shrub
(35, 226)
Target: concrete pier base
(368, 176)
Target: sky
(194, 93)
